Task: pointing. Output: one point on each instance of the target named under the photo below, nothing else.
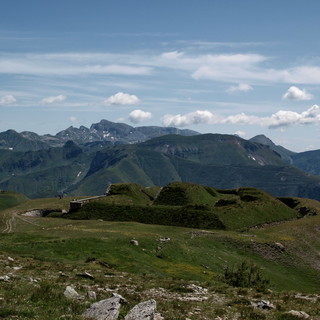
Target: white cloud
(137, 116)
(72, 64)
(55, 99)
(196, 117)
(7, 100)
(294, 93)
(73, 119)
(279, 119)
(172, 55)
(121, 98)
(242, 87)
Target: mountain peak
(262, 139)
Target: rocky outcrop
(107, 309)
(144, 311)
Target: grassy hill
(170, 263)
(187, 205)
(10, 199)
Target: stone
(4, 278)
(298, 314)
(280, 246)
(86, 275)
(10, 259)
(70, 293)
(263, 304)
(92, 295)
(134, 242)
(16, 268)
(143, 311)
(122, 299)
(62, 274)
(107, 309)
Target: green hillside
(179, 194)
(187, 205)
(219, 161)
(10, 199)
(43, 255)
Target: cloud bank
(279, 119)
(121, 98)
(137, 116)
(294, 93)
(224, 67)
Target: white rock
(17, 268)
(122, 299)
(92, 295)
(299, 314)
(143, 311)
(107, 309)
(70, 293)
(4, 278)
(134, 242)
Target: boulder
(107, 309)
(298, 314)
(122, 299)
(144, 311)
(70, 293)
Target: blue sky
(244, 67)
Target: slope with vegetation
(196, 273)
(220, 161)
(10, 199)
(188, 205)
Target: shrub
(246, 276)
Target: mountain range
(85, 161)
(105, 131)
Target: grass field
(52, 251)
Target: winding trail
(10, 221)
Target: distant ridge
(83, 161)
(104, 131)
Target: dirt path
(11, 221)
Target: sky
(232, 67)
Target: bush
(163, 215)
(246, 276)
